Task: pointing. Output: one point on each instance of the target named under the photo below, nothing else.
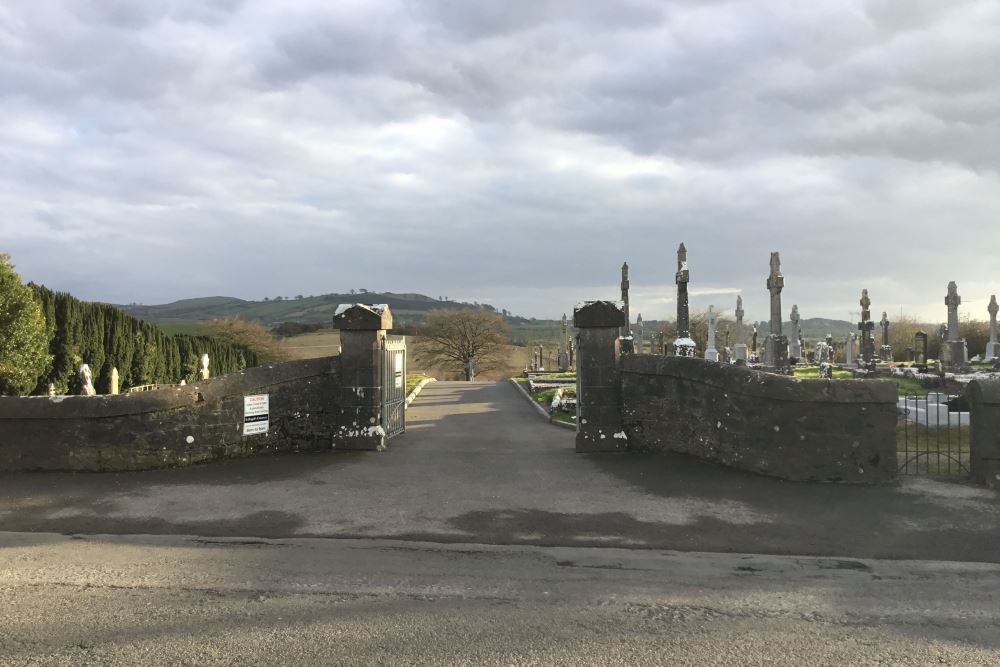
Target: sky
(513, 153)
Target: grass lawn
(413, 379)
(544, 398)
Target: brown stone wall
(174, 426)
(796, 429)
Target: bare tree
(470, 339)
(250, 334)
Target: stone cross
(993, 347)
(886, 351)
(114, 381)
(625, 284)
(953, 300)
(711, 353)
(683, 346)
(86, 381)
(795, 348)
(638, 333)
(203, 372)
(866, 326)
(954, 352)
(741, 347)
(776, 344)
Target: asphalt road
(478, 465)
(112, 600)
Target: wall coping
(106, 405)
(764, 385)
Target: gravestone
(572, 354)
(954, 352)
(795, 347)
(826, 370)
(886, 350)
(52, 389)
(741, 346)
(823, 351)
(203, 372)
(638, 344)
(993, 347)
(626, 332)
(541, 357)
(86, 381)
(683, 345)
(920, 343)
(850, 356)
(114, 381)
(711, 353)
(866, 326)
(776, 344)
(754, 357)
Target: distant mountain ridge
(406, 308)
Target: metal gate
(932, 435)
(393, 386)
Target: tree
(251, 335)
(23, 336)
(470, 339)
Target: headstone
(638, 345)
(866, 326)
(626, 332)
(572, 354)
(885, 353)
(954, 353)
(52, 389)
(850, 356)
(920, 343)
(203, 372)
(114, 381)
(826, 370)
(711, 353)
(754, 357)
(564, 347)
(795, 348)
(86, 381)
(683, 345)
(823, 351)
(993, 347)
(741, 346)
(541, 358)
(776, 344)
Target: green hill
(407, 309)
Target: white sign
(256, 414)
(399, 362)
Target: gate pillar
(598, 389)
(362, 332)
(984, 443)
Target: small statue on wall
(86, 381)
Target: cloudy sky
(509, 152)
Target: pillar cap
(598, 314)
(362, 317)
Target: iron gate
(932, 435)
(393, 386)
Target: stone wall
(175, 426)
(984, 443)
(796, 429)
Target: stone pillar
(572, 354)
(711, 353)
(920, 343)
(776, 344)
(795, 347)
(637, 342)
(114, 381)
(754, 357)
(684, 345)
(541, 357)
(993, 347)
(954, 352)
(984, 437)
(598, 387)
(865, 326)
(362, 331)
(741, 346)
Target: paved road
(183, 600)
(478, 465)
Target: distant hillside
(407, 309)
